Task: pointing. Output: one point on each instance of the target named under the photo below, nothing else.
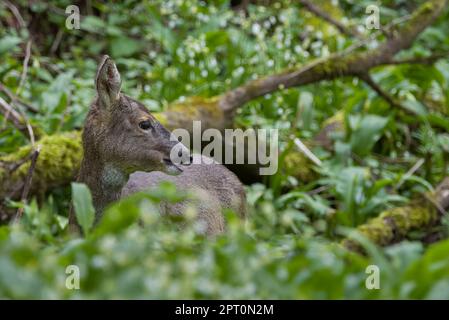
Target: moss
(419, 17)
(57, 164)
(195, 103)
(181, 114)
(297, 165)
(333, 67)
(377, 231)
(337, 118)
(394, 224)
(161, 117)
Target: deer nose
(187, 160)
(183, 155)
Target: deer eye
(145, 125)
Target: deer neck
(104, 180)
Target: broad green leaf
(119, 216)
(93, 24)
(124, 47)
(415, 106)
(305, 108)
(82, 203)
(365, 132)
(9, 42)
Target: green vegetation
(381, 161)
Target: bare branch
(57, 41)
(19, 120)
(25, 66)
(12, 115)
(15, 99)
(16, 13)
(27, 183)
(328, 18)
(366, 77)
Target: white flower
(152, 54)
(255, 29)
(267, 24)
(238, 72)
(298, 49)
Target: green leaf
(119, 216)
(365, 132)
(84, 209)
(8, 42)
(165, 35)
(124, 47)
(305, 108)
(93, 24)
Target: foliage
(159, 260)
(288, 247)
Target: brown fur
(120, 158)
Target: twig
(57, 41)
(317, 190)
(309, 154)
(326, 17)
(16, 99)
(25, 66)
(12, 115)
(366, 77)
(16, 13)
(27, 184)
(19, 120)
(16, 165)
(409, 173)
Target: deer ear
(108, 82)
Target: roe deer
(127, 150)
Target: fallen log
(393, 225)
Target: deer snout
(180, 155)
(186, 157)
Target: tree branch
(19, 120)
(393, 225)
(328, 18)
(12, 115)
(27, 183)
(366, 77)
(352, 63)
(25, 66)
(16, 99)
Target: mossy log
(57, 165)
(61, 154)
(393, 225)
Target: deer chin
(171, 168)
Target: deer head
(121, 133)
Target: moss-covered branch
(57, 165)
(349, 63)
(394, 224)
